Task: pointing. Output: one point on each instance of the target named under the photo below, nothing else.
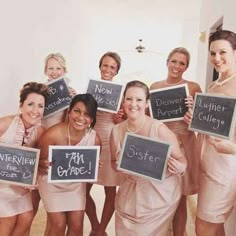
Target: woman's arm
(47, 139)
(223, 146)
(113, 151)
(5, 123)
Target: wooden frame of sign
(18, 165)
(107, 94)
(59, 98)
(213, 114)
(73, 164)
(144, 156)
(168, 104)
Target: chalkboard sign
(213, 114)
(144, 157)
(168, 104)
(59, 98)
(73, 163)
(107, 94)
(18, 165)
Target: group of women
(197, 163)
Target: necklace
(138, 129)
(68, 134)
(220, 83)
(173, 83)
(80, 137)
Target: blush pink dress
(16, 199)
(142, 206)
(61, 197)
(217, 193)
(187, 140)
(106, 175)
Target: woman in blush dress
(217, 192)
(144, 206)
(109, 65)
(54, 68)
(65, 203)
(177, 63)
(24, 129)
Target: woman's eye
(222, 52)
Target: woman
(217, 193)
(177, 63)
(65, 203)
(54, 68)
(109, 65)
(24, 129)
(143, 206)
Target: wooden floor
(98, 194)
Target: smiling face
(54, 69)
(135, 103)
(177, 65)
(32, 109)
(108, 68)
(223, 57)
(79, 117)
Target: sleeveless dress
(187, 140)
(217, 193)
(106, 175)
(62, 197)
(142, 206)
(16, 199)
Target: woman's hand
(189, 101)
(189, 114)
(223, 146)
(31, 187)
(176, 167)
(72, 92)
(119, 116)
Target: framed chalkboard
(107, 94)
(59, 98)
(168, 104)
(213, 114)
(18, 165)
(73, 163)
(144, 157)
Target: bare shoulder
(5, 123)
(156, 85)
(41, 130)
(55, 133)
(193, 87)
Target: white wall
(83, 30)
